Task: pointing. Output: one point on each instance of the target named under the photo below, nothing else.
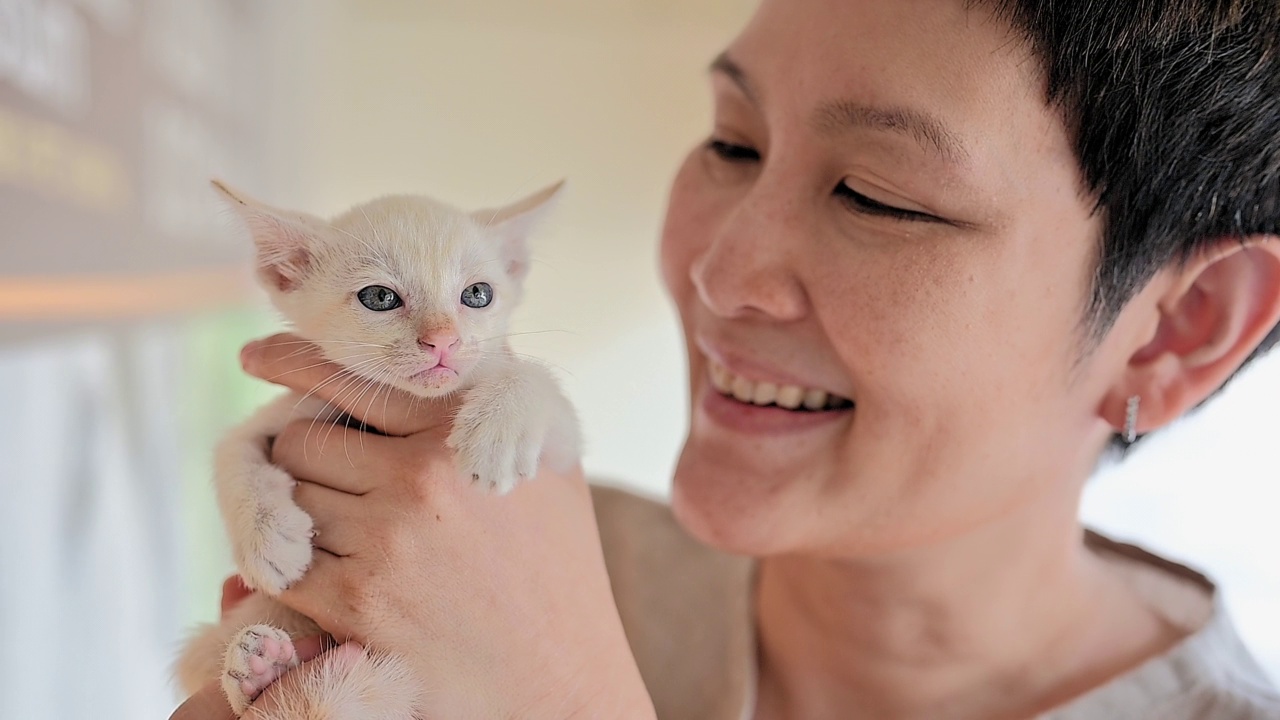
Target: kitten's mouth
(435, 376)
(765, 394)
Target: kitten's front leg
(513, 416)
(270, 535)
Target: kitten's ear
(285, 240)
(513, 224)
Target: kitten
(401, 291)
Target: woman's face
(888, 218)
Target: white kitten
(401, 291)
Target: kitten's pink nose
(441, 343)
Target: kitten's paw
(493, 470)
(528, 454)
(274, 548)
(494, 457)
(256, 657)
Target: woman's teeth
(790, 397)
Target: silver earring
(1131, 419)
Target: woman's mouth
(762, 409)
(793, 398)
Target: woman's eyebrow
(841, 116)
(725, 65)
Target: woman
(935, 257)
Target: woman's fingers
(317, 596)
(335, 516)
(296, 364)
(308, 648)
(332, 455)
(233, 591)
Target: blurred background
(124, 294)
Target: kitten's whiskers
(347, 375)
(317, 342)
(527, 332)
(484, 353)
(374, 383)
(316, 365)
(361, 384)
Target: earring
(1131, 419)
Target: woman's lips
(749, 418)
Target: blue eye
(478, 295)
(379, 299)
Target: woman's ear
(1213, 314)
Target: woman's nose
(748, 268)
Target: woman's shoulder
(648, 553)
(1209, 675)
(685, 607)
(617, 507)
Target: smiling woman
(900, 213)
(932, 260)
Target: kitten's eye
(478, 295)
(379, 299)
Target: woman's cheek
(686, 229)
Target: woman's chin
(733, 513)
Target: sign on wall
(113, 116)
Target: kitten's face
(403, 291)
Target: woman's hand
(501, 604)
(233, 591)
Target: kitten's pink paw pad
(256, 657)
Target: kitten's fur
(512, 413)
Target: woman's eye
(863, 204)
(729, 152)
(478, 295)
(379, 299)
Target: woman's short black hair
(1174, 108)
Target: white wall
(478, 103)
(1208, 491)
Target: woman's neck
(1004, 622)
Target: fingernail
(346, 655)
(250, 353)
(308, 648)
